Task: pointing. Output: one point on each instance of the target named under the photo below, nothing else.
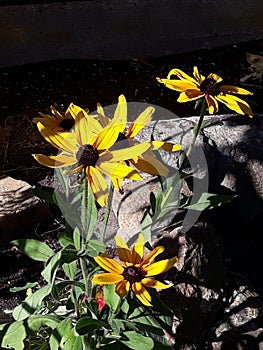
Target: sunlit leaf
(14, 337)
(209, 201)
(30, 304)
(135, 341)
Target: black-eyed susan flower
(133, 272)
(88, 153)
(210, 87)
(57, 122)
(147, 162)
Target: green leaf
(111, 297)
(97, 246)
(19, 289)
(209, 201)
(76, 239)
(69, 207)
(33, 248)
(71, 341)
(137, 341)
(14, 336)
(65, 237)
(87, 324)
(30, 304)
(49, 272)
(70, 269)
(35, 322)
(149, 324)
(146, 227)
(58, 332)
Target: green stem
(83, 267)
(197, 129)
(107, 213)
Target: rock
(21, 211)
(213, 307)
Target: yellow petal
(149, 164)
(83, 133)
(199, 77)
(138, 250)
(141, 293)
(106, 138)
(107, 278)
(118, 170)
(152, 255)
(58, 161)
(120, 114)
(190, 95)
(131, 152)
(120, 242)
(235, 90)
(123, 250)
(236, 104)
(159, 266)
(180, 74)
(73, 111)
(47, 121)
(56, 113)
(98, 185)
(65, 141)
(103, 119)
(178, 85)
(166, 146)
(109, 264)
(122, 288)
(143, 119)
(212, 104)
(117, 183)
(73, 171)
(215, 77)
(151, 283)
(125, 256)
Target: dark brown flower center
(210, 87)
(67, 124)
(133, 274)
(87, 155)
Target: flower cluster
(98, 146)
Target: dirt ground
(26, 90)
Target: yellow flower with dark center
(133, 271)
(146, 162)
(55, 123)
(208, 87)
(91, 154)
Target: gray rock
(21, 211)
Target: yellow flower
(133, 271)
(55, 123)
(146, 162)
(91, 154)
(209, 87)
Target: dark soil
(28, 89)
